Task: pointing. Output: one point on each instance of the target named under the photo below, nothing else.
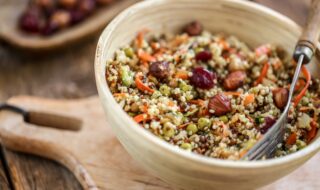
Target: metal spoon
(303, 54)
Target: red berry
(268, 123)
(30, 20)
(204, 56)
(202, 78)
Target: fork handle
(310, 35)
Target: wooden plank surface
(66, 74)
(4, 181)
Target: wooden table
(66, 74)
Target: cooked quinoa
(210, 93)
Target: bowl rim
(105, 93)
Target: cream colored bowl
(253, 24)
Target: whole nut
(61, 18)
(280, 97)
(104, 2)
(194, 28)
(159, 69)
(234, 80)
(220, 104)
(68, 3)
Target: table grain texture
(65, 74)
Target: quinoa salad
(212, 94)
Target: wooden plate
(10, 11)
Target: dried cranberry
(194, 28)
(220, 104)
(87, 6)
(234, 80)
(204, 56)
(30, 21)
(49, 29)
(280, 97)
(268, 123)
(77, 16)
(202, 78)
(159, 69)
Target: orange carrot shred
(140, 37)
(313, 132)
(139, 118)
(307, 75)
(263, 74)
(182, 75)
(144, 56)
(141, 86)
(248, 99)
(292, 139)
(232, 93)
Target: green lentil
(168, 130)
(224, 119)
(192, 128)
(203, 122)
(129, 52)
(186, 146)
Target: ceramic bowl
(253, 24)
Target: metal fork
(304, 51)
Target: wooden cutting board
(94, 154)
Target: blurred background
(65, 72)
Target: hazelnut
(280, 97)
(220, 104)
(159, 69)
(234, 80)
(61, 18)
(194, 28)
(68, 3)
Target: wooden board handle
(311, 32)
(53, 120)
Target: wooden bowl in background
(11, 10)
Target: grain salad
(211, 94)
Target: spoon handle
(309, 39)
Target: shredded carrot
(182, 126)
(232, 93)
(263, 74)
(292, 139)
(119, 95)
(141, 86)
(242, 153)
(141, 117)
(313, 132)
(182, 75)
(198, 102)
(144, 56)
(140, 37)
(145, 108)
(223, 44)
(248, 99)
(307, 75)
(305, 108)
